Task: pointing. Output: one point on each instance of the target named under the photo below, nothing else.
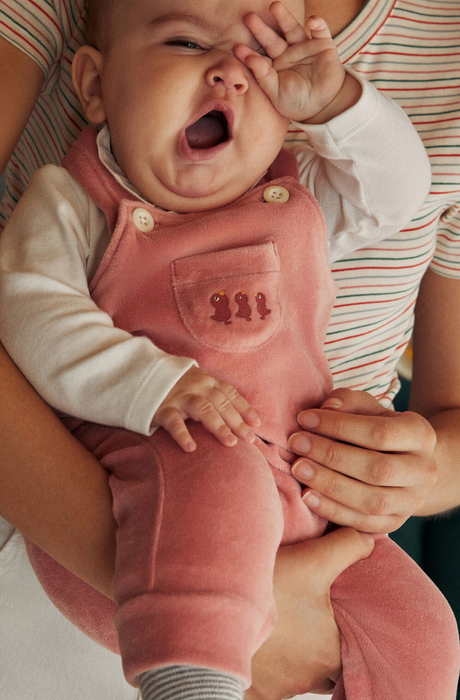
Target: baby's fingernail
(300, 443)
(311, 499)
(303, 471)
(308, 419)
(231, 440)
(332, 403)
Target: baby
(177, 268)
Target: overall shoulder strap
(82, 162)
(284, 165)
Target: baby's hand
(215, 404)
(302, 76)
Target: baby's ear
(86, 77)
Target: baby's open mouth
(208, 131)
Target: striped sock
(189, 683)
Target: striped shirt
(50, 32)
(409, 50)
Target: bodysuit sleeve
(368, 169)
(64, 344)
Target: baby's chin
(195, 197)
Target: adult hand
(302, 654)
(366, 466)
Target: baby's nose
(229, 73)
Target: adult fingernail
(308, 419)
(300, 443)
(254, 418)
(311, 499)
(332, 403)
(303, 471)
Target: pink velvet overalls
(245, 290)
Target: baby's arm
(364, 161)
(69, 348)
(368, 169)
(301, 74)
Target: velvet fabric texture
(246, 291)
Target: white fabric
(70, 350)
(43, 656)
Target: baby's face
(190, 126)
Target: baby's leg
(196, 545)
(399, 636)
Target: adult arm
(302, 654)
(51, 489)
(435, 391)
(373, 467)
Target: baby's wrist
(347, 96)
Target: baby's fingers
(171, 420)
(272, 43)
(237, 407)
(257, 63)
(220, 417)
(234, 410)
(261, 68)
(292, 30)
(318, 28)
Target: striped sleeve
(446, 258)
(35, 27)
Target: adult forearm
(51, 488)
(445, 494)
(435, 390)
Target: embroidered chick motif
(261, 305)
(222, 312)
(244, 310)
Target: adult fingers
(354, 401)
(357, 495)
(351, 517)
(320, 561)
(323, 454)
(387, 431)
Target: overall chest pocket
(229, 299)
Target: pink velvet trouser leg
(196, 545)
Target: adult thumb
(342, 548)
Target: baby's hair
(99, 15)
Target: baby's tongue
(206, 132)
